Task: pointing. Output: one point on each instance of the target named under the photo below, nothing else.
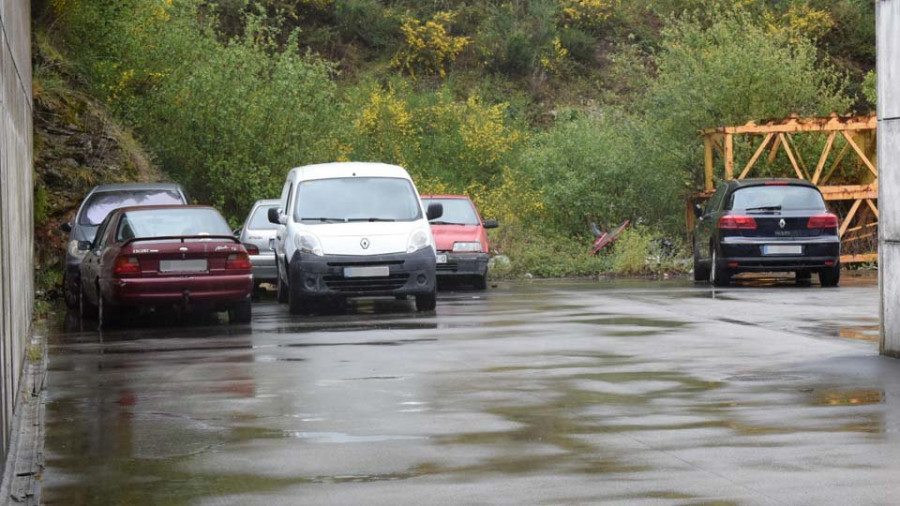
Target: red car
(165, 256)
(461, 238)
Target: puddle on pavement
(626, 321)
(848, 398)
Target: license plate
(780, 249)
(442, 259)
(193, 265)
(381, 271)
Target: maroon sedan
(165, 256)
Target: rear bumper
(264, 267)
(213, 290)
(324, 276)
(747, 253)
(463, 265)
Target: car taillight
(737, 221)
(776, 183)
(251, 249)
(239, 261)
(827, 220)
(126, 265)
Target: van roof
(349, 169)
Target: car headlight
(308, 243)
(74, 251)
(419, 239)
(467, 247)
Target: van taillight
(827, 220)
(238, 261)
(126, 266)
(737, 222)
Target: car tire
(70, 294)
(718, 275)
(426, 302)
(830, 277)
(297, 304)
(701, 272)
(241, 312)
(107, 315)
(481, 282)
(803, 278)
(85, 308)
(281, 290)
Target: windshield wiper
(322, 219)
(371, 219)
(763, 208)
(438, 222)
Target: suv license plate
(381, 271)
(780, 249)
(442, 259)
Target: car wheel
(281, 292)
(830, 277)
(85, 307)
(426, 302)
(241, 312)
(107, 315)
(296, 302)
(701, 272)
(481, 282)
(718, 275)
(71, 293)
(803, 277)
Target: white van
(353, 230)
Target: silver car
(257, 235)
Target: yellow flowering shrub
(587, 14)
(513, 197)
(800, 21)
(428, 47)
(386, 124)
(555, 60)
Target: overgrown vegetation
(550, 113)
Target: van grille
(367, 285)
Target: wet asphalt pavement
(610, 392)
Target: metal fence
(16, 209)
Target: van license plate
(196, 265)
(780, 249)
(381, 271)
(442, 259)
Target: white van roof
(349, 169)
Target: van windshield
(356, 199)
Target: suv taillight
(251, 249)
(238, 261)
(826, 220)
(737, 222)
(126, 266)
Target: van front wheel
(426, 302)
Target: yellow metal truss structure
(846, 168)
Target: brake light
(126, 265)
(776, 183)
(737, 222)
(827, 220)
(238, 261)
(251, 249)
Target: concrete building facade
(16, 206)
(888, 48)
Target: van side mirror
(273, 216)
(435, 211)
(84, 245)
(698, 210)
(66, 227)
(490, 224)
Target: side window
(715, 203)
(100, 238)
(290, 200)
(124, 230)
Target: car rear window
(260, 218)
(783, 197)
(100, 204)
(456, 211)
(171, 222)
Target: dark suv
(97, 204)
(766, 225)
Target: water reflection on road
(545, 392)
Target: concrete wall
(16, 210)
(888, 21)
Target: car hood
(446, 235)
(380, 237)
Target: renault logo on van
(364, 243)
(781, 223)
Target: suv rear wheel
(830, 277)
(701, 272)
(718, 275)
